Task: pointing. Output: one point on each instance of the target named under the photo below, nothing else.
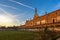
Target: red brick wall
(48, 18)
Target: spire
(36, 10)
(36, 15)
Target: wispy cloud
(21, 4)
(56, 7)
(7, 6)
(8, 14)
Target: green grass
(25, 35)
(18, 35)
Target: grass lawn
(18, 35)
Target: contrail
(7, 6)
(21, 4)
(10, 15)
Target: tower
(35, 15)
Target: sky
(16, 12)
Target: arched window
(31, 23)
(53, 20)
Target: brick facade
(45, 19)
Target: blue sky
(23, 10)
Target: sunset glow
(16, 12)
(5, 20)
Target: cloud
(21, 4)
(7, 6)
(57, 6)
(11, 16)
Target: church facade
(47, 19)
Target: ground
(18, 35)
(25, 35)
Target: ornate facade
(48, 18)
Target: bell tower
(35, 15)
